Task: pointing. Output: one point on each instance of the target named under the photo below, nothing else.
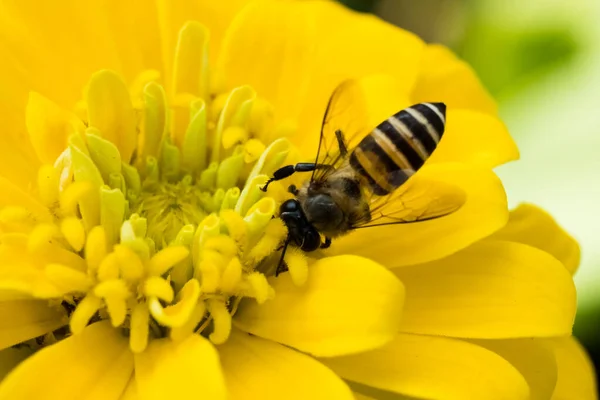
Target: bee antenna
(264, 188)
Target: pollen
(152, 216)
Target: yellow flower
(137, 251)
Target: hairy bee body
(380, 163)
(398, 147)
(335, 204)
(356, 187)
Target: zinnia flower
(137, 251)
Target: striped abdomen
(399, 146)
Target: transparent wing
(420, 199)
(345, 123)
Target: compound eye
(291, 205)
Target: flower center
(168, 207)
(155, 218)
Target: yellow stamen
(259, 288)
(177, 314)
(84, 312)
(95, 248)
(210, 275)
(159, 288)
(297, 265)
(131, 267)
(181, 332)
(232, 276)
(140, 317)
(115, 288)
(108, 268)
(68, 279)
(155, 218)
(167, 258)
(70, 197)
(74, 232)
(222, 321)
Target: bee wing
(345, 123)
(419, 199)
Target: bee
(360, 174)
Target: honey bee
(359, 180)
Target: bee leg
(281, 266)
(288, 170)
(293, 190)
(327, 243)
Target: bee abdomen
(399, 146)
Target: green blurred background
(541, 60)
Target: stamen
(140, 318)
(155, 218)
(221, 321)
(159, 288)
(297, 265)
(85, 310)
(74, 232)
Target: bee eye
(289, 206)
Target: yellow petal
(434, 368)
(17, 165)
(173, 14)
(110, 110)
(11, 357)
(533, 358)
(40, 40)
(484, 212)
(184, 370)
(287, 56)
(349, 304)
(49, 127)
(358, 396)
(576, 377)
(12, 195)
(191, 61)
(309, 56)
(475, 137)
(256, 368)
(491, 290)
(23, 319)
(130, 392)
(443, 77)
(135, 36)
(531, 225)
(96, 363)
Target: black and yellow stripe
(399, 146)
